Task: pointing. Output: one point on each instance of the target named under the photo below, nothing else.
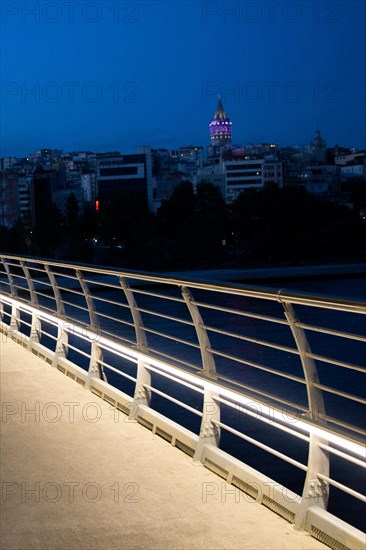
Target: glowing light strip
(213, 387)
(254, 414)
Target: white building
(354, 171)
(235, 176)
(214, 174)
(25, 199)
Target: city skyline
(115, 76)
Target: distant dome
(318, 142)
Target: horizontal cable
(168, 317)
(173, 400)
(78, 350)
(262, 418)
(340, 393)
(341, 424)
(118, 353)
(14, 265)
(241, 313)
(72, 291)
(156, 295)
(24, 288)
(40, 309)
(174, 378)
(8, 314)
(30, 314)
(267, 395)
(343, 455)
(124, 374)
(103, 284)
(252, 340)
(117, 338)
(342, 487)
(24, 322)
(75, 305)
(121, 321)
(257, 366)
(335, 362)
(48, 296)
(42, 282)
(173, 358)
(34, 268)
(65, 276)
(44, 333)
(331, 332)
(46, 309)
(169, 337)
(19, 276)
(261, 446)
(110, 301)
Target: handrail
(300, 298)
(164, 337)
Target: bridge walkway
(75, 475)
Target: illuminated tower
(220, 127)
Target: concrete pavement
(75, 475)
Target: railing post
(15, 313)
(36, 327)
(96, 355)
(315, 490)
(209, 432)
(61, 348)
(142, 395)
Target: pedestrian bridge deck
(74, 475)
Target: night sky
(115, 75)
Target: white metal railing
(227, 354)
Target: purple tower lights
(220, 127)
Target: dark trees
(290, 225)
(193, 225)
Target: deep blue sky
(113, 75)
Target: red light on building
(97, 206)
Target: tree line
(195, 228)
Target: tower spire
(220, 126)
(220, 111)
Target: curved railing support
(96, 354)
(315, 490)
(208, 361)
(13, 290)
(15, 313)
(61, 348)
(209, 431)
(36, 329)
(142, 395)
